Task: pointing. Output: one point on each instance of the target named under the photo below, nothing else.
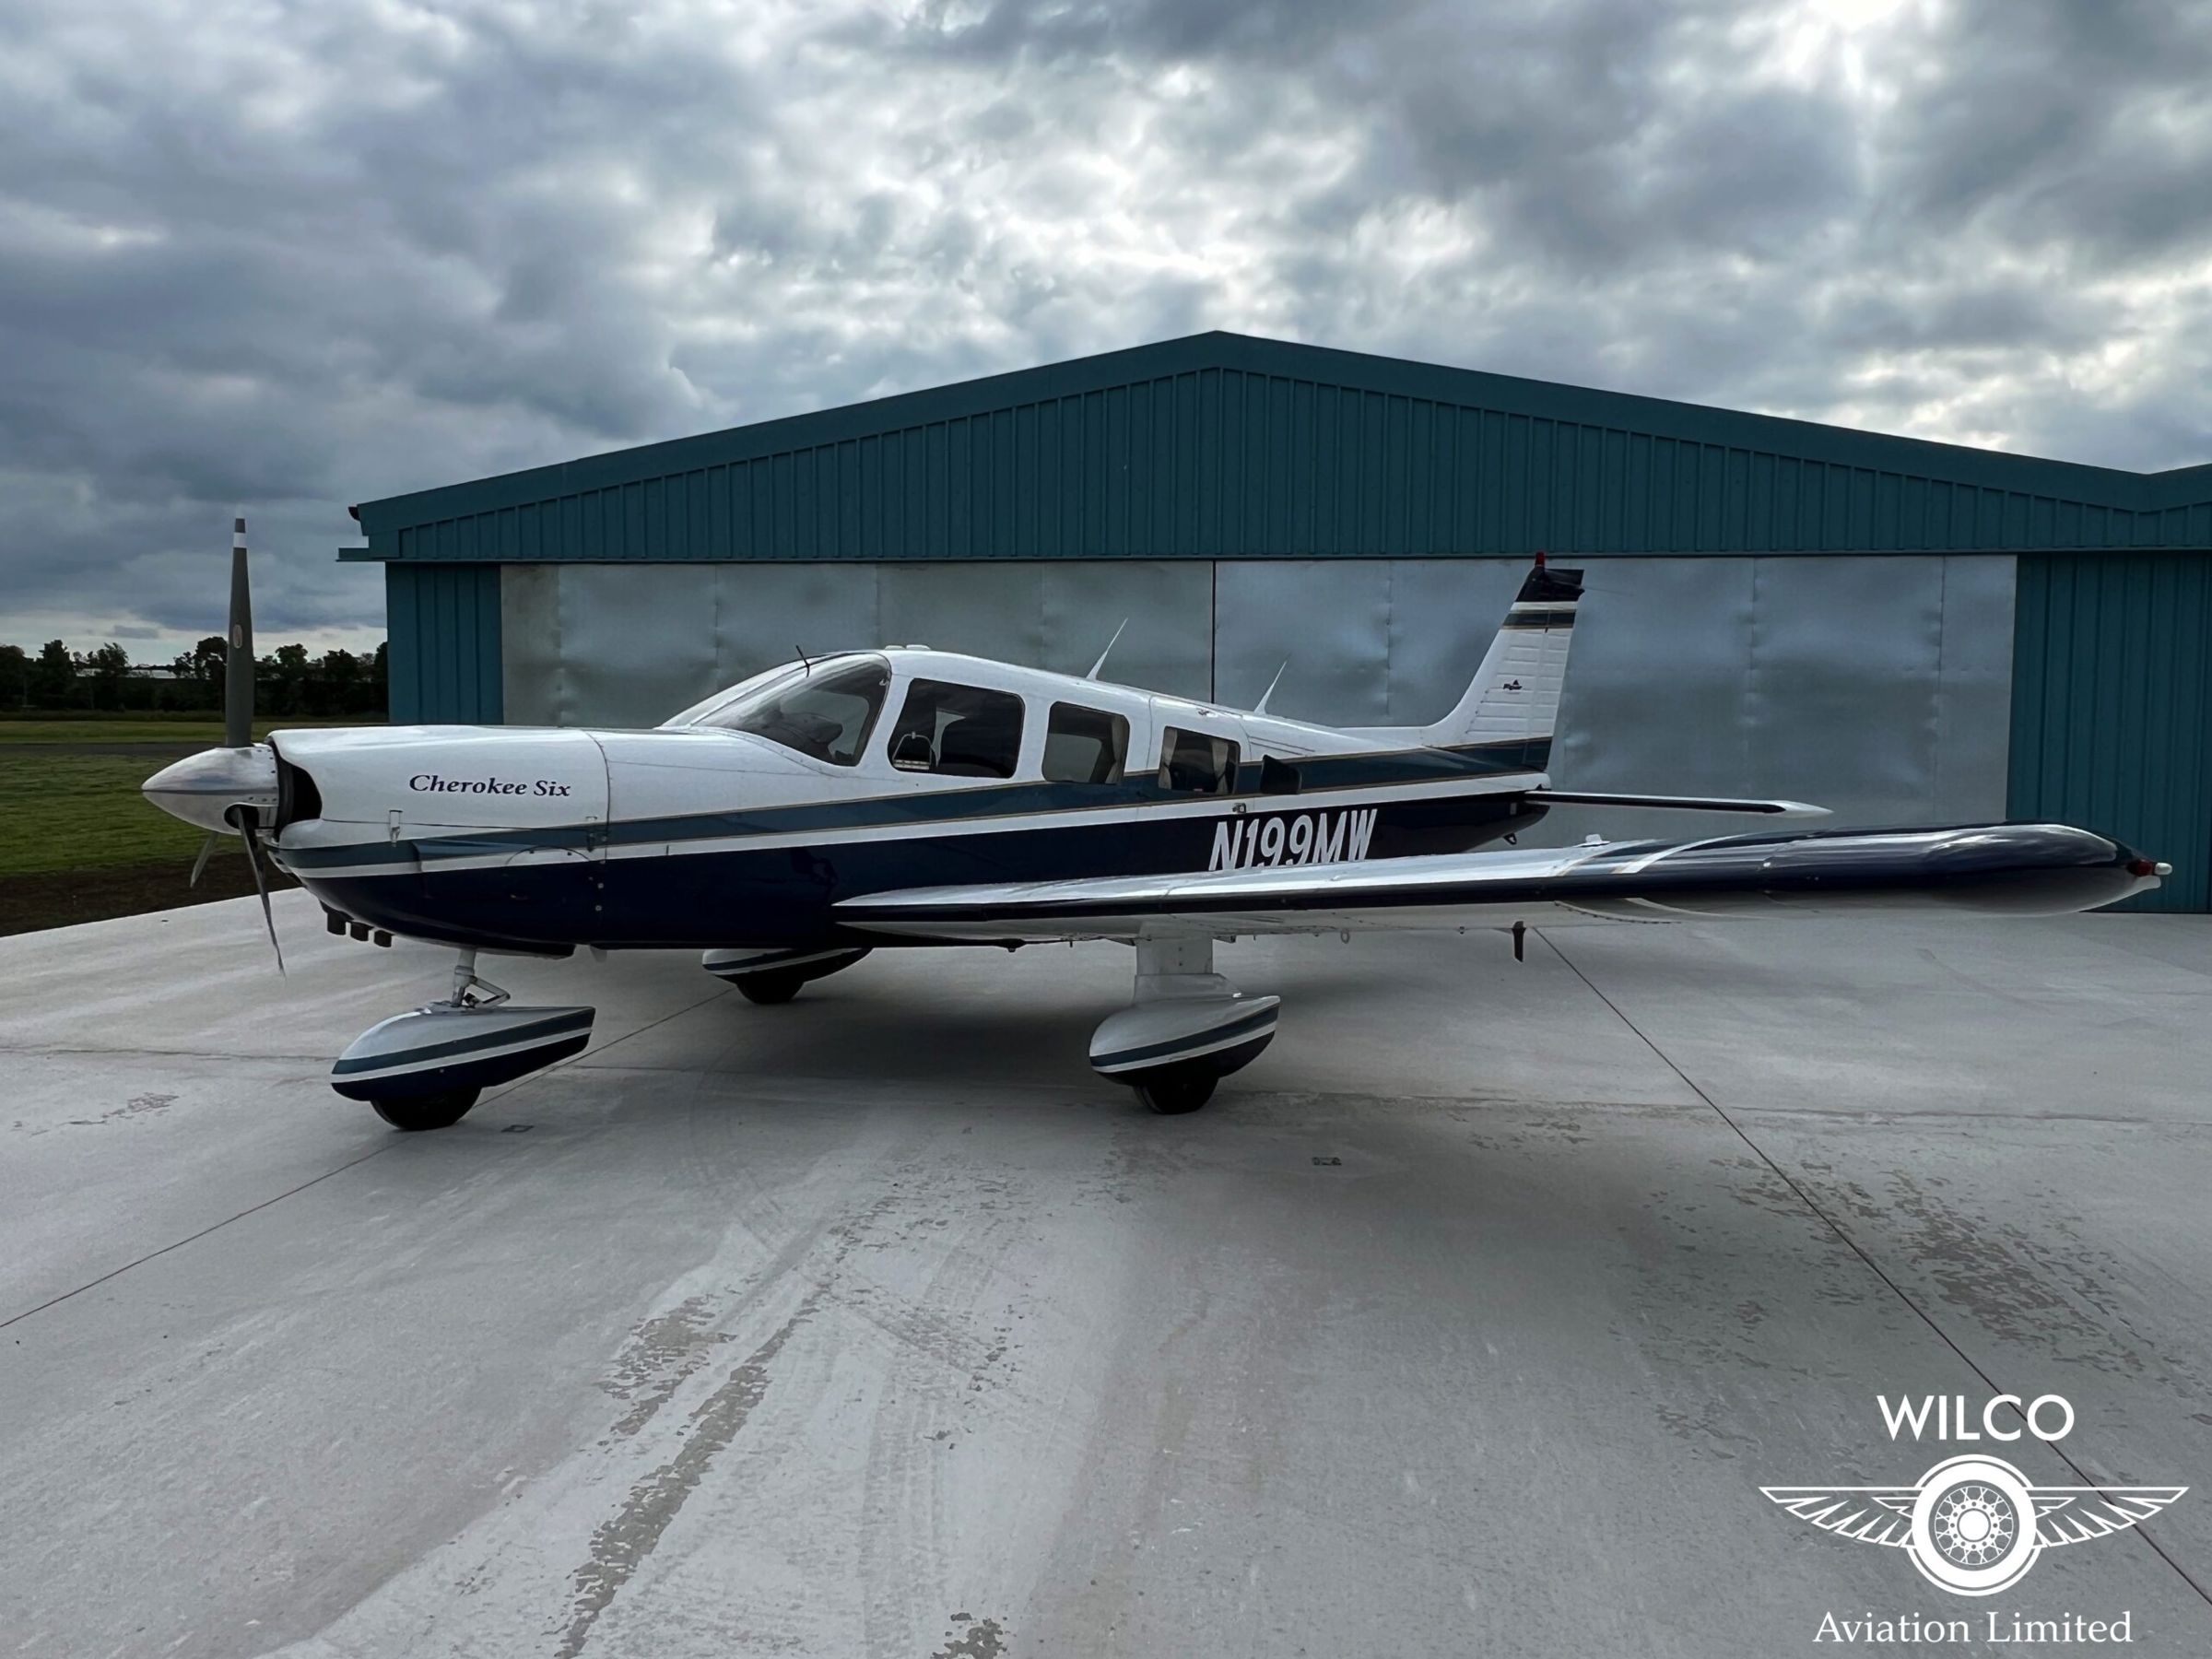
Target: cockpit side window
(957, 731)
(1194, 763)
(1084, 745)
(826, 713)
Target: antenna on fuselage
(1108, 652)
(1261, 707)
(803, 662)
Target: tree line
(287, 683)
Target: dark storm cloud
(2081, 126)
(288, 255)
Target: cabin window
(1194, 763)
(825, 712)
(957, 731)
(1084, 745)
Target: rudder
(1514, 701)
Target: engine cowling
(420, 780)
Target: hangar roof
(1223, 445)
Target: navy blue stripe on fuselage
(1317, 772)
(784, 894)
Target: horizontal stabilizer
(1582, 797)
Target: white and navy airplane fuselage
(830, 807)
(541, 839)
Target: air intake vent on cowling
(298, 799)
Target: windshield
(825, 711)
(698, 713)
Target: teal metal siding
(2111, 706)
(1224, 446)
(444, 627)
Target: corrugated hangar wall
(2112, 705)
(1878, 686)
(1776, 606)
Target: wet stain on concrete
(1761, 1188)
(2055, 1293)
(685, 1347)
(137, 1106)
(982, 1639)
(660, 1356)
(1708, 1427)
(621, 1544)
(1722, 1280)
(1554, 1125)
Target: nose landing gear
(426, 1112)
(425, 1069)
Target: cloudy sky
(290, 255)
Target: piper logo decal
(1292, 838)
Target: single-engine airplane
(833, 805)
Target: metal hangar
(1903, 630)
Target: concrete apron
(1472, 1317)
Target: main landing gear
(425, 1069)
(775, 976)
(427, 1111)
(1187, 1030)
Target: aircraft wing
(2021, 869)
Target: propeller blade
(247, 824)
(238, 659)
(199, 865)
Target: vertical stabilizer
(1512, 703)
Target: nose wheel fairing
(476, 1040)
(442, 1048)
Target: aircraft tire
(778, 985)
(1171, 1090)
(418, 1112)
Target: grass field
(83, 812)
(199, 730)
(78, 842)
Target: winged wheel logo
(1973, 1526)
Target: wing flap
(2022, 869)
(1582, 797)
